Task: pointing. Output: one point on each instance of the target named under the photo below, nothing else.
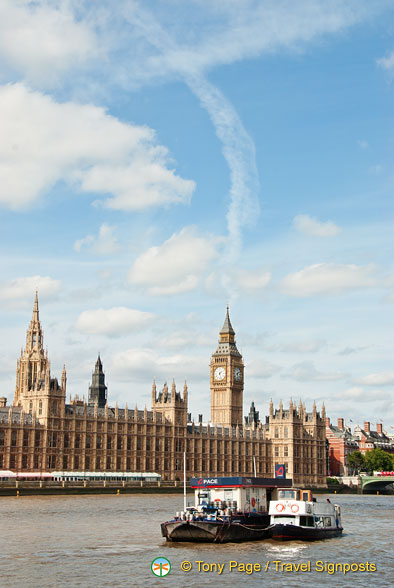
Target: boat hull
(249, 528)
(292, 532)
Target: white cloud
(175, 266)
(42, 41)
(350, 350)
(143, 364)
(362, 395)
(43, 142)
(307, 372)
(314, 228)
(234, 31)
(252, 280)
(363, 144)
(304, 347)
(377, 379)
(387, 62)
(22, 290)
(328, 278)
(113, 322)
(261, 369)
(104, 244)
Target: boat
(296, 514)
(226, 509)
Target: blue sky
(160, 159)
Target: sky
(162, 159)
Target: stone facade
(41, 432)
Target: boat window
(287, 494)
(306, 521)
(327, 521)
(305, 496)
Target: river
(109, 541)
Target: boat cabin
(235, 494)
(292, 506)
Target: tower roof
(227, 326)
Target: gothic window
(286, 432)
(98, 442)
(13, 439)
(40, 407)
(1, 438)
(77, 441)
(276, 432)
(109, 442)
(129, 443)
(276, 451)
(286, 451)
(88, 441)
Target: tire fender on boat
(295, 508)
(280, 507)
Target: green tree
(356, 461)
(378, 460)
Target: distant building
(40, 431)
(369, 439)
(342, 442)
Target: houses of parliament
(40, 431)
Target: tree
(356, 461)
(378, 460)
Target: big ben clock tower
(227, 379)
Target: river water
(109, 541)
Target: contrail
(239, 152)
(238, 147)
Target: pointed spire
(227, 328)
(36, 316)
(173, 389)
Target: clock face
(220, 373)
(237, 374)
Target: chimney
(379, 428)
(367, 427)
(200, 419)
(328, 421)
(341, 424)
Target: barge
(225, 509)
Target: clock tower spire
(227, 379)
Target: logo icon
(160, 566)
